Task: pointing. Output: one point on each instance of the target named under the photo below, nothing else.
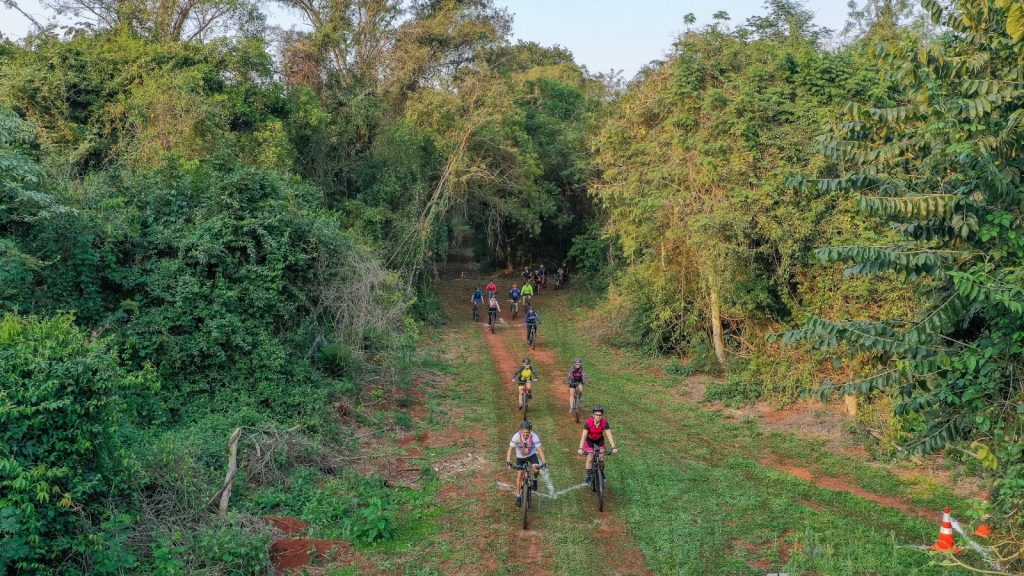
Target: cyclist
(526, 445)
(595, 430)
(492, 309)
(491, 289)
(532, 320)
(526, 273)
(542, 276)
(478, 299)
(514, 294)
(576, 378)
(527, 293)
(524, 379)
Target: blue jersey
(514, 294)
(478, 296)
(532, 317)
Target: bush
(353, 507)
(62, 458)
(734, 391)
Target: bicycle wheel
(599, 486)
(526, 404)
(526, 501)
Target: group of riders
(525, 446)
(533, 282)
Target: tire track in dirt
(531, 548)
(496, 536)
(620, 553)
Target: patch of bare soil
(306, 556)
(781, 546)
(286, 524)
(846, 485)
(830, 423)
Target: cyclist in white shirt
(527, 448)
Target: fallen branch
(224, 494)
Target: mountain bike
(531, 336)
(576, 396)
(600, 485)
(476, 311)
(529, 491)
(514, 304)
(524, 396)
(491, 316)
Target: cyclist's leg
(572, 397)
(590, 464)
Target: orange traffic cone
(983, 530)
(945, 542)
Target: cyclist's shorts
(573, 383)
(532, 459)
(521, 385)
(591, 445)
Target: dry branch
(224, 494)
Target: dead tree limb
(224, 494)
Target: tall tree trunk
(716, 327)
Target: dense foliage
(197, 236)
(724, 203)
(941, 163)
(207, 225)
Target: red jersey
(595, 430)
(491, 287)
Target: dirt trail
(531, 548)
(620, 553)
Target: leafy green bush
(734, 391)
(354, 507)
(62, 456)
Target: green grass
(689, 484)
(697, 500)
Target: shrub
(62, 457)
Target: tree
(166, 20)
(693, 162)
(942, 165)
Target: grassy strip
(698, 501)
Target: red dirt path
(623, 556)
(846, 485)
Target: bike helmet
(526, 360)
(599, 408)
(526, 425)
(579, 362)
